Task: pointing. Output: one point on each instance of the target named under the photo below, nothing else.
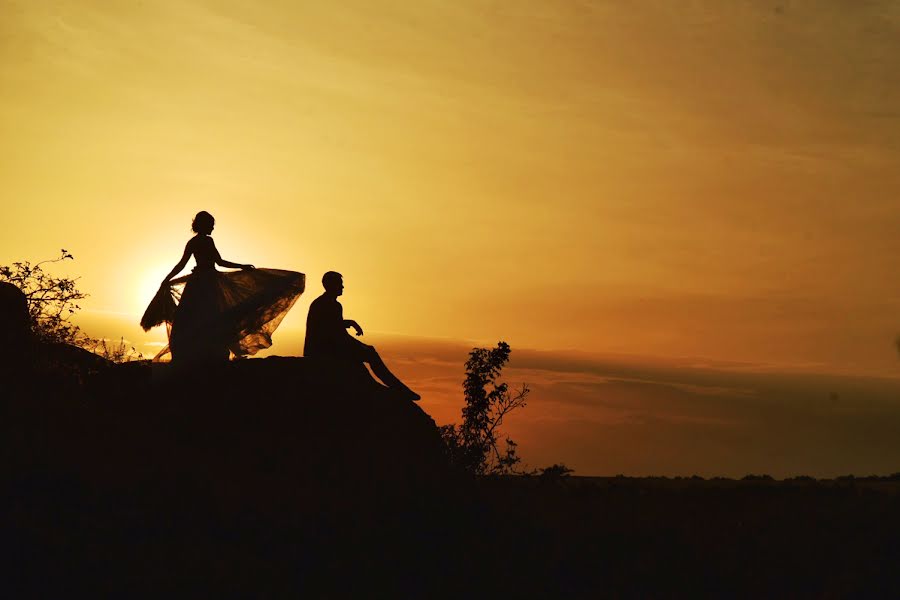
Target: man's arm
(327, 318)
(354, 325)
(345, 323)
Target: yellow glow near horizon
(646, 178)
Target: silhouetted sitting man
(327, 339)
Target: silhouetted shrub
(555, 471)
(473, 445)
(117, 352)
(51, 300)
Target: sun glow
(713, 183)
(147, 283)
(560, 175)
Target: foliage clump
(117, 352)
(755, 477)
(51, 300)
(555, 471)
(474, 445)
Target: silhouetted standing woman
(211, 314)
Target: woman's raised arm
(181, 264)
(227, 263)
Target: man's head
(333, 282)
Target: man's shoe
(404, 393)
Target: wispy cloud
(640, 415)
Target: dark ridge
(271, 479)
(267, 427)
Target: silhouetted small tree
(51, 300)
(473, 446)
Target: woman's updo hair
(203, 223)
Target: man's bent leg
(384, 374)
(380, 369)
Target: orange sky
(709, 179)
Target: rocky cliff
(252, 432)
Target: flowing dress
(211, 314)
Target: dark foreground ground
(517, 538)
(261, 482)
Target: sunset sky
(683, 186)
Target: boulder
(268, 433)
(15, 324)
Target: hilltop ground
(259, 478)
